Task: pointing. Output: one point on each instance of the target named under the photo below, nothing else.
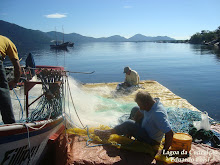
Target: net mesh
(50, 104)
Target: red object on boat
(50, 67)
(53, 138)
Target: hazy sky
(178, 19)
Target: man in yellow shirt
(132, 79)
(8, 48)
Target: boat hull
(24, 144)
(59, 46)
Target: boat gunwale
(22, 127)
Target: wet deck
(167, 97)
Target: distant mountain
(23, 36)
(115, 38)
(27, 37)
(140, 37)
(72, 37)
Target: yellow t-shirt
(8, 48)
(133, 78)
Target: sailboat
(59, 45)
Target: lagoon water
(190, 71)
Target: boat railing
(51, 79)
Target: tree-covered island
(206, 37)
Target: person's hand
(138, 116)
(12, 84)
(126, 84)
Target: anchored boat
(59, 46)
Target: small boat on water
(62, 46)
(25, 142)
(70, 44)
(59, 46)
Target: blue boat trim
(11, 138)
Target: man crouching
(131, 82)
(154, 123)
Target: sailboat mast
(63, 34)
(56, 35)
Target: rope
(74, 104)
(89, 140)
(19, 103)
(29, 144)
(71, 121)
(42, 125)
(68, 102)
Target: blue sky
(178, 19)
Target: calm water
(190, 71)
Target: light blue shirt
(155, 121)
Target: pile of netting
(50, 104)
(181, 119)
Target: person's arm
(125, 78)
(135, 79)
(168, 140)
(138, 116)
(17, 73)
(126, 83)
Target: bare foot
(103, 134)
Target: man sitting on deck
(132, 79)
(153, 126)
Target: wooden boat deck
(167, 97)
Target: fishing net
(121, 142)
(181, 119)
(50, 104)
(109, 104)
(115, 140)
